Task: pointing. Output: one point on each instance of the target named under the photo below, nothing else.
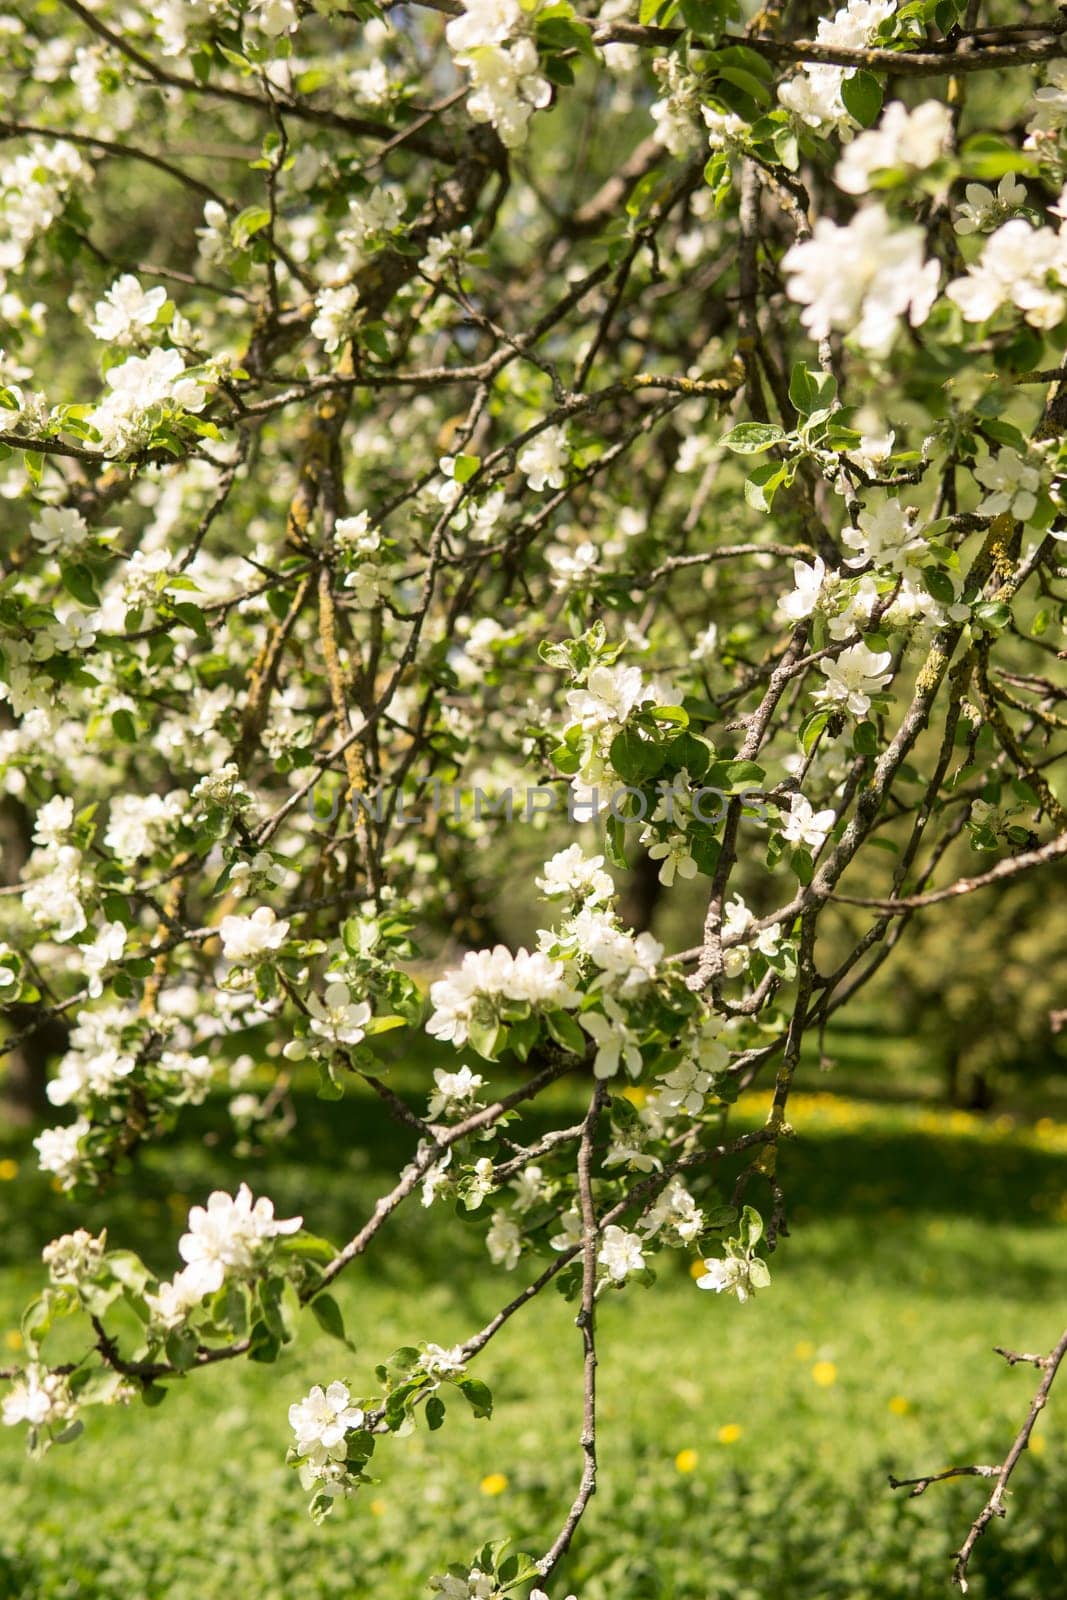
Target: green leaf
(940, 585)
(248, 222)
(803, 866)
(749, 438)
(374, 337)
(308, 1245)
(329, 1088)
(748, 83)
(751, 1227)
(811, 391)
(763, 482)
(566, 1032)
(734, 776)
(988, 156)
(993, 614)
(78, 581)
(329, 1317)
(564, 33)
(635, 759)
(487, 1039)
(615, 841)
(672, 714)
(865, 739)
(1003, 432)
(523, 1035)
(464, 467)
(811, 728)
(478, 1396)
(862, 94)
(435, 1412)
(705, 17)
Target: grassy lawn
(744, 1449)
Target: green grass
(920, 1239)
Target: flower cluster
(230, 1237)
(813, 94)
(506, 83)
(470, 1001)
(862, 278)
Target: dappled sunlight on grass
(920, 1238)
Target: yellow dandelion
(825, 1374)
(636, 1093)
(1038, 1444)
(729, 1433)
(686, 1460)
(8, 1169)
(13, 1339)
(377, 1508)
(804, 1350)
(494, 1483)
(697, 1269)
(899, 1406)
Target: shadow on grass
(872, 1178)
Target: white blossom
(736, 1275)
(1015, 268)
(543, 460)
(674, 1211)
(573, 874)
(456, 1091)
(136, 822)
(59, 1151)
(504, 1241)
(244, 938)
(1012, 482)
(1051, 105)
(903, 138)
(140, 387)
(616, 1043)
(337, 1017)
(814, 93)
(853, 677)
(675, 855)
(705, 646)
(861, 278)
(675, 113)
(227, 1235)
(620, 1253)
(487, 974)
(38, 1397)
(335, 315)
(886, 536)
(170, 1304)
(441, 1363)
(530, 1188)
(804, 826)
(507, 86)
(74, 1256)
(609, 696)
(60, 530)
(807, 587)
(127, 311)
(981, 208)
(320, 1422)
